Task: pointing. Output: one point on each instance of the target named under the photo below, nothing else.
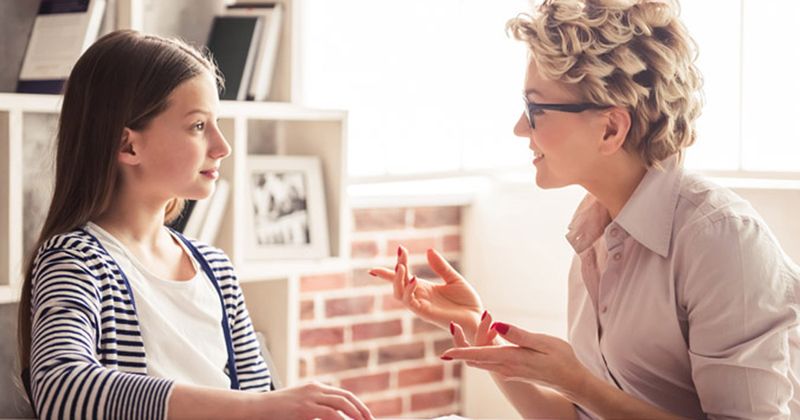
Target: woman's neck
(616, 181)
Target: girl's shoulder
(77, 242)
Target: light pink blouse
(686, 300)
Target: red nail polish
(372, 273)
(484, 315)
(413, 279)
(398, 251)
(446, 358)
(500, 327)
(452, 328)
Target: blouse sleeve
(740, 294)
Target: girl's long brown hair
(122, 81)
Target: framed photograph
(286, 207)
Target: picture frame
(285, 208)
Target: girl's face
(565, 145)
(178, 154)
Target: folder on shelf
(234, 42)
(260, 82)
(62, 31)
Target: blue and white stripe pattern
(87, 355)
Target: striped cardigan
(87, 355)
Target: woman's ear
(128, 145)
(618, 124)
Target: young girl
(121, 317)
(681, 302)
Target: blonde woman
(681, 302)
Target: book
(261, 78)
(233, 42)
(62, 31)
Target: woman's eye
(199, 126)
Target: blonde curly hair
(633, 54)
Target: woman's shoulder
(77, 242)
(704, 203)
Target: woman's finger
(399, 285)
(408, 294)
(324, 412)
(489, 354)
(519, 336)
(402, 258)
(482, 331)
(459, 338)
(383, 273)
(442, 268)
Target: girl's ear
(127, 151)
(618, 124)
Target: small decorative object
(286, 206)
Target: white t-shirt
(180, 321)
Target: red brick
(451, 243)
(349, 306)
(379, 219)
(389, 303)
(426, 217)
(421, 375)
(385, 408)
(361, 277)
(321, 336)
(339, 361)
(323, 282)
(413, 245)
(439, 346)
(433, 399)
(306, 309)
(368, 383)
(398, 352)
(364, 249)
(421, 326)
(370, 330)
(456, 369)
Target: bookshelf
(279, 127)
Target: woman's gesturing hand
(455, 300)
(310, 401)
(534, 358)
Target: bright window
(434, 86)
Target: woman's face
(565, 145)
(180, 150)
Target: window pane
(429, 85)
(717, 144)
(771, 135)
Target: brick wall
(355, 335)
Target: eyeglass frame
(531, 107)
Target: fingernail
(452, 328)
(372, 273)
(484, 315)
(398, 251)
(446, 358)
(500, 327)
(413, 279)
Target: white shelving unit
(280, 127)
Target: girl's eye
(199, 126)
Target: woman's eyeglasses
(532, 108)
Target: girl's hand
(484, 334)
(534, 358)
(310, 401)
(455, 300)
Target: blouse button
(604, 310)
(614, 232)
(617, 256)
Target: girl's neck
(134, 220)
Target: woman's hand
(310, 401)
(455, 300)
(533, 358)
